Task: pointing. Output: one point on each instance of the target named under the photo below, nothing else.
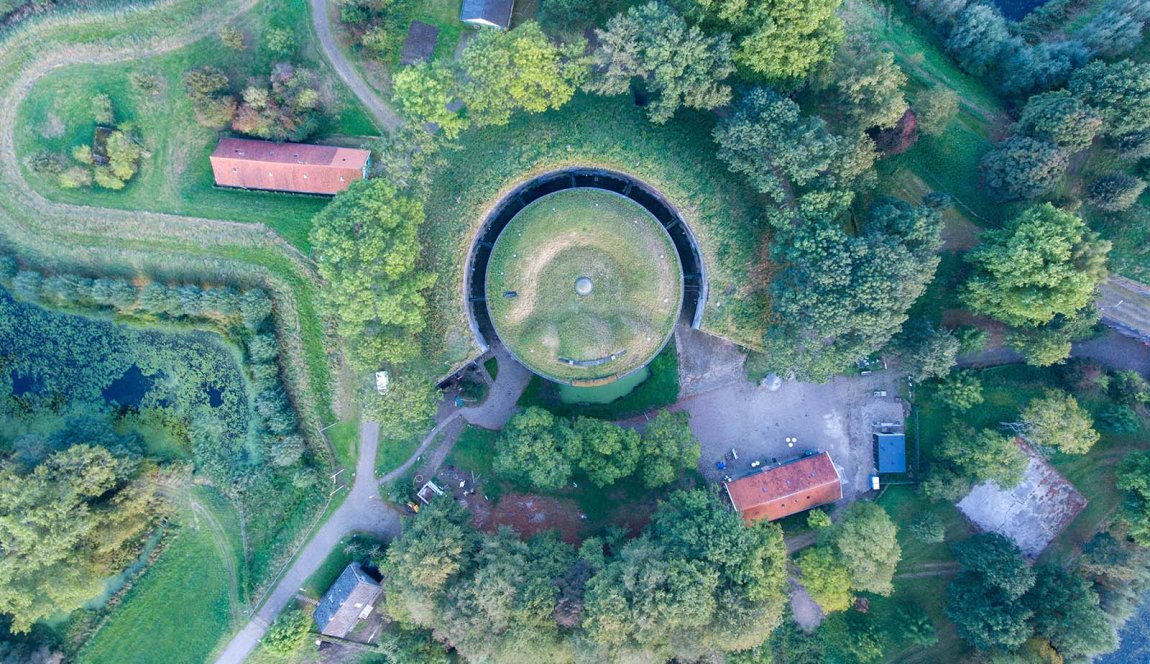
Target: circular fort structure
(582, 275)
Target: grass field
(186, 602)
(175, 175)
(636, 285)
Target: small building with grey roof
(487, 13)
(349, 600)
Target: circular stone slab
(627, 277)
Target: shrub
(935, 109)
(928, 528)
(1119, 418)
(280, 41)
(107, 179)
(818, 519)
(83, 154)
(102, 109)
(74, 178)
(961, 390)
(232, 37)
(1114, 192)
(288, 633)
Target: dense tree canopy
(1045, 262)
(425, 93)
(1134, 478)
(679, 65)
(604, 451)
(870, 88)
(1066, 612)
(866, 540)
(825, 579)
(779, 40)
(366, 245)
(669, 447)
(929, 352)
(530, 446)
(63, 526)
(785, 155)
(1061, 119)
(985, 600)
(842, 297)
(1119, 91)
(521, 69)
(696, 583)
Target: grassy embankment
(165, 617)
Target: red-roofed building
(292, 167)
(788, 489)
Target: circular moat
(582, 275)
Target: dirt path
(183, 496)
(383, 114)
(364, 511)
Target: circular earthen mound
(584, 284)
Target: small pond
(604, 393)
(129, 390)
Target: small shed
(891, 449)
(487, 13)
(349, 600)
(790, 488)
(420, 43)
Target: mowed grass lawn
(634, 270)
(175, 175)
(182, 607)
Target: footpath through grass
(175, 175)
(184, 604)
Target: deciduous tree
(1045, 262)
(669, 447)
(866, 540)
(1022, 168)
(679, 65)
(826, 579)
(518, 70)
(366, 245)
(604, 451)
(1056, 420)
(530, 447)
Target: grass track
(165, 617)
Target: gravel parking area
(836, 416)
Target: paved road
(364, 511)
(384, 115)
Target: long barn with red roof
(290, 167)
(786, 489)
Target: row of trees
(696, 583)
(651, 49)
(547, 450)
(246, 316)
(985, 44)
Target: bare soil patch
(528, 514)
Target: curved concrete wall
(694, 274)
